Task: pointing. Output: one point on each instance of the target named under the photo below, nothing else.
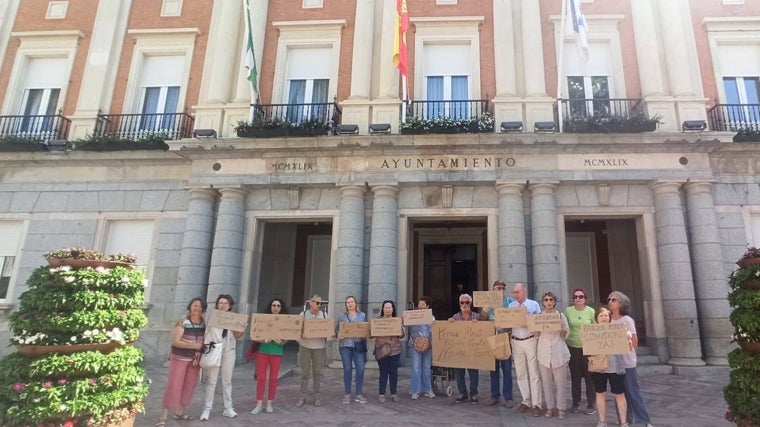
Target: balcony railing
(138, 126)
(307, 115)
(610, 115)
(42, 128)
(458, 109)
(734, 117)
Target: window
(41, 93)
(134, 236)
(9, 246)
(594, 91)
(308, 82)
(161, 81)
(446, 81)
(743, 107)
(590, 85)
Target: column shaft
(349, 262)
(383, 251)
(675, 19)
(645, 37)
(544, 241)
(533, 65)
(361, 63)
(387, 76)
(227, 254)
(678, 300)
(513, 264)
(504, 56)
(220, 65)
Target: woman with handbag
(608, 368)
(223, 342)
(387, 353)
(268, 358)
(421, 353)
(353, 352)
(184, 362)
(553, 356)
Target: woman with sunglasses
(269, 357)
(228, 340)
(619, 304)
(579, 314)
(553, 356)
(615, 376)
(353, 352)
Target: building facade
(543, 197)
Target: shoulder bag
(212, 355)
(598, 363)
(382, 351)
(421, 344)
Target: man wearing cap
(504, 365)
(311, 355)
(524, 349)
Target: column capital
(542, 188)
(352, 190)
(234, 193)
(666, 186)
(202, 193)
(384, 189)
(699, 186)
(510, 187)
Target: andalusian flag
(399, 39)
(250, 59)
(580, 27)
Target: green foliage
(605, 123)
(273, 126)
(148, 141)
(742, 275)
(446, 125)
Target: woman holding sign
(614, 373)
(553, 356)
(228, 341)
(579, 314)
(619, 305)
(466, 314)
(388, 353)
(353, 352)
(421, 353)
(269, 356)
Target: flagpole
(404, 96)
(561, 61)
(249, 41)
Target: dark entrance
(450, 270)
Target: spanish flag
(399, 39)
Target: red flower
(47, 384)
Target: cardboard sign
(488, 299)
(605, 338)
(516, 317)
(386, 327)
(500, 345)
(545, 322)
(318, 328)
(462, 344)
(276, 326)
(418, 317)
(226, 320)
(353, 330)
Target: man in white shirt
(311, 355)
(524, 348)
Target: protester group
(542, 360)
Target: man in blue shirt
(524, 348)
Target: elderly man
(505, 366)
(524, 346)
(311, 355)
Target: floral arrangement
(73, 308)
(128, 258)
(751, 252)
(476, 124)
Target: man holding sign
(504, 365)
(311, 356)
(524, 349)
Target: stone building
(544, 198)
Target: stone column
(504, 56)
(645, 37)
(675, 18)
(349, 262)
(709, 278)
(533, 65)
(678, 300)
(220, 65)
(383, 251)
(192, 275)
(513, 264)
(387, 98)
(544, 242)
(356, 107)
(227, 254)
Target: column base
(694, 371)
(685, 361)
(82, 124)
(356, 112)
(717, 361)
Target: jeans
(637, 409)
(579, 371)
(422, 374)
(506, 368)
(388, 372)
(351, 357)
(461, 386)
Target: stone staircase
(649, 363)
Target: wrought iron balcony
(456, 110)
(734, 117)
(41, 128)
(138, 126)
(318, 118)
(610, 115)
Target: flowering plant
(75, 253)
(751, 252)
(483, 123)
(128, 258)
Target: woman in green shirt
(577, 315)
(269, 356)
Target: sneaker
(270, 409)
(317, 402)
(575, 408)
(537, 411)
(204, 415)
(394, 397)
(300, 402)
(381, 398)
(548, 413)
(229, 413)
(474, 399)
(361, 399)
(601, 424)
(561, 414)
(429, 394)
(625, 425)
(461, 398)
(510, 404)
(256, 410)
(347, 399)
(492, 401)
(590, 410)
(415, 396)
(523, 408)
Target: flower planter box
(739, 137)
(307, 132)
(750, 347)
(122, 146)
(746, 262)
(264, 133)
(41, 350)
(21, 147)
(84, 263)
(752, 285)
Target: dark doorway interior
(450, 270)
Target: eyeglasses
(579, 296)
(548, 299)
(276, 305)
(464, 303)
(611, 299)
(316, 302)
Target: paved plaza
(673, 400)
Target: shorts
(617, 382)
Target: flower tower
(75, 365)
(743, 390)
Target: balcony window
(589, 95)
(301, 93)
(158, 105)
(743, 102)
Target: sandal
(160, 423)
(182, 417)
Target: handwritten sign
(463, 345)
(353, 330)
(226, 320)
(418, 317)
(605, 338)
(318, 328)
(386, 327)
(275, 326)
(488, 299)
(545, 322)
(516, 317)
(500, 346)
